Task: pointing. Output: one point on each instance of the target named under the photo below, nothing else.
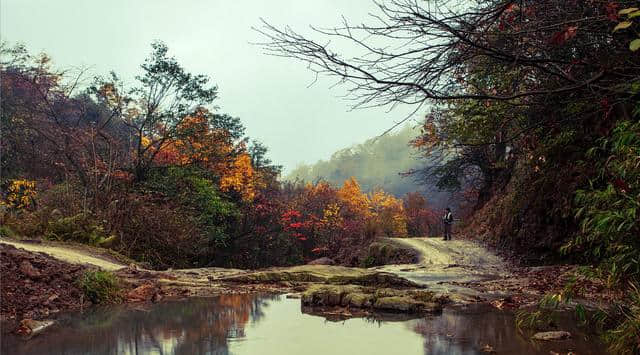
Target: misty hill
(377, 162)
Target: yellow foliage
(145, 141)
(331, 217)
(240, 177)
(318, 189)
(20, 194)
(352, 197)
(389, 213)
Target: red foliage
(559, 38)
(611, 9)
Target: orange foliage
(389, 214)
(353, 199)
(195, 143)
(240, 177)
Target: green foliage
(623, 337)
(100, 287)
(7, 232)
(607, 212)
(629, 14)
(80, 228)
(549, 308)
(199, 195)
(608, 209)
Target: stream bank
(446, 275)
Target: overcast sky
(270, 94)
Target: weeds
(100, 287)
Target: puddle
(274, 324)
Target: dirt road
(68, 254)
(445, 265)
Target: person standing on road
(448, 221)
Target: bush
(80, 228)
(623, 337)
(608, 209)
(197, 193)
(158, 232)
(100, 287)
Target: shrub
(100, 287)
(7, 232)
(20, 195)
(197, 193)
(80, 228)
(608, 208)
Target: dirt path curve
(445, 265)
(68, 254)
(435, 251)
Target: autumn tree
(389, 214)
(503, 66)
(355, 201)
(421, 220)
(51, 128)
(240, 178)
(156, 108)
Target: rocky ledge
(415, 301)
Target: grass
(6, 232)
(100, 287)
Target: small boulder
(142, 293)
(30, 327)
(488, 349)
(322, 261)
(554, 335)
(27, 269)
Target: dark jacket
(448, 218)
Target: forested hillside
(378, 162)
(384, 162)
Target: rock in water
(555, 335)
(322, 261)
(488, 349)
(30, 327)
(144, 293)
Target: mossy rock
(328, 295)
(388, 292)
(388, 300)
(357, 300)
(335, 275)
(398, 304)
(384, 252)
(405, 304)
(425, 296)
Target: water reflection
(196, 326)
(263, 324)
(467, 330)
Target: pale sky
(212, 37)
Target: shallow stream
(274, 324)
